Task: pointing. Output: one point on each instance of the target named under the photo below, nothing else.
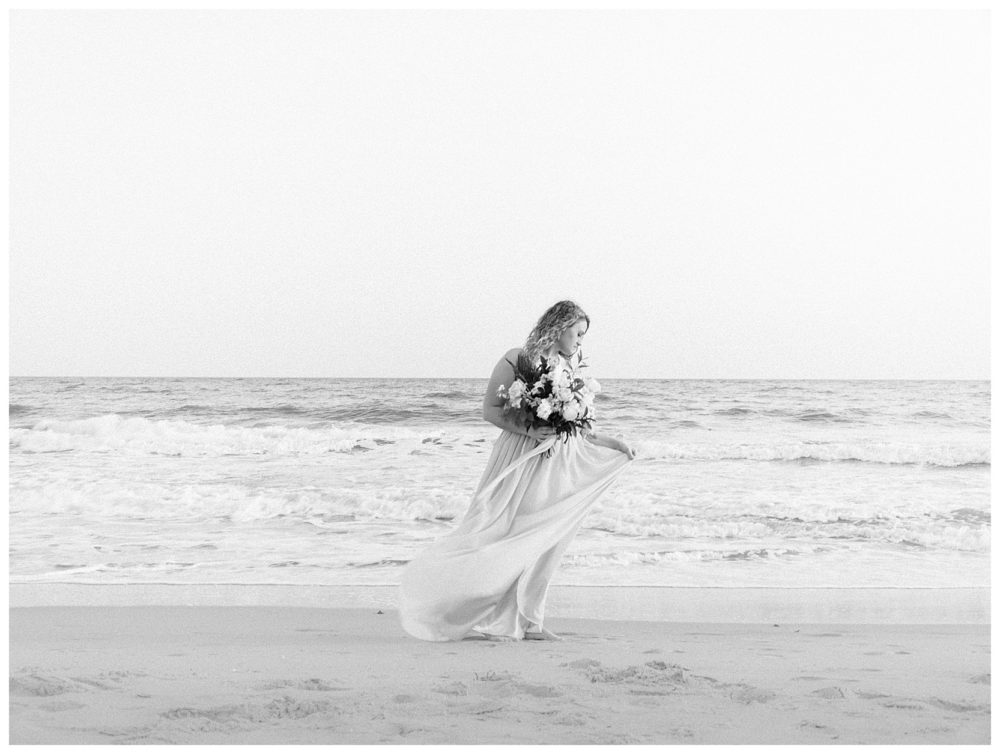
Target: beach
(216, 560)
(274, 674)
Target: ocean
(738, 483)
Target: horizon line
(330, 377)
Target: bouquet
(558, 397)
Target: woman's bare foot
(542, 634)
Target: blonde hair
(549, 329)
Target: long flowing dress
(491, 574)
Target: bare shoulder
(505, 364)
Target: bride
(491, 574)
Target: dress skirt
(491, 574)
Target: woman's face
(572, 337)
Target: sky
(728, 194)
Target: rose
(563, 394)
(571, 411)
(543, 409)
(516, 389)
(592, 385)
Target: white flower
(516, 389)
(560, 378)
(592, 385)
(571, 411)
(588, 399)
(563, 394)
(543, 409)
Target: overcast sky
(729, 194)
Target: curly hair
(549, 329)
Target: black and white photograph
(411, 376)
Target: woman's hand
(625, 448)
(615, 443)
(541, 433)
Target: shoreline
(869, 605)
(292, 675)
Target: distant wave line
(561, 586)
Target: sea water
(738, 483)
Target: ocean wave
(964, 530)
(379, 563)
(893, 453)
(136, 435)
(653, 557)
(381, 413)
(931, 415)
(17, 409)
(322, 510)
(818, 416)
(799, 415)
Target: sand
(272, 675)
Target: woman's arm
(615, 443)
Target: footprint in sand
(813, 724)
(957, 706)
(132, 735)
(406, 729)
(484, 709)
(455, 688)
(311, 684)
(659, 678)
(42, 685)
(655, 672)
(104, 684)
(902, 704)
(540, 691)
(582, 664)
(747, 694)
(871, 695)
(654, 678)
(503, 684)
(491, 676)
(244, 716)
(830, 692)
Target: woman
(491, 574)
